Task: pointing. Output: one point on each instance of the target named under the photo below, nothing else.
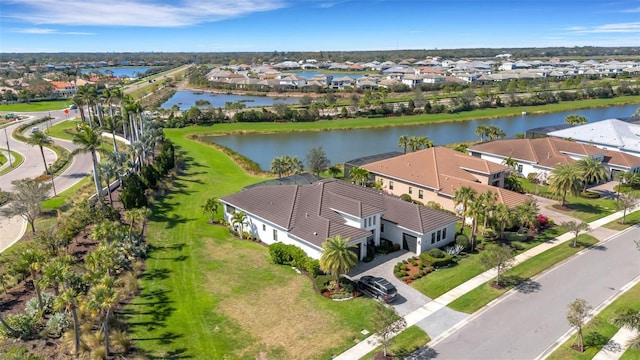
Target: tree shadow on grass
(424, 353)
(156, 274)
(152, 308)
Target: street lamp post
(8, 149)
(53, 184)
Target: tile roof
(547, 152)
(313, 212)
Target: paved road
(12, 229)
(525, 323)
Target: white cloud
(631, 11)
(42, 31)
(152, 13)
(632, 27)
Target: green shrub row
(435, 261)
(284, 254)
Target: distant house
(306, 215)
(436, 173)
(542, 155)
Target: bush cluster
(284, 254)
(442, 260)
(413, 265)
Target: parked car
(73, 107)
(377, 288)
(34, 129)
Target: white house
(306, 215)
(610, 134)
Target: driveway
(546, 210)
(409, 299)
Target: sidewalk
(370, 343)
(615, 347)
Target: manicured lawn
(62, 130)
(17, 160)
(599, 330)
(632, 218)
(483, 294)
(408, 341)
(587, 210)
(208, 295)
(35, 106)
(84, 185)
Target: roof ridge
(436, 168)
(293, 206)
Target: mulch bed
(14, 301)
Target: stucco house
(435, 174)
(306, 215)
(542, 155)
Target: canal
(343, 145)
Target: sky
(312, 25)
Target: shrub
(312, 266)
(463, 240)
(395, 247)
(406, 197)
(437, 253)
(57, 324)
(436, 262)
(25, 325)
(31, 307)
(283, 254)
(589, 195)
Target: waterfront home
(540, 156)
(306, 215)
(436, 173)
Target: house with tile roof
(610, 134)
(542, 155)
(306, 215)
(436, 173)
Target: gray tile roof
(312, 212)
(611, 132)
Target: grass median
(599, 330)
(520, 274)
(35, 106)
(408, 341)
(17, 161)
(206, 294)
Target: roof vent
(315, 233)
(306, 214)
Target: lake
(344, 145)
(120, 71)
(187, 99)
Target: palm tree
(494, 132)
(593, 171)
(108, 170)
(403, 142)
(575, 119)
(102, 299)
(211, 207)
(489, 199)
(79, 102)
(475, 210)
(510, 162)
(565, 178)
(503, 217)
(68, 301)
(90, 141)
(481, 131)
(360, 176)
(337, 257)
(424, 142)
(526, 213)
(278, 166)
(630, 318)
(334, 171)
(237, 221)
(33, 260)
(40, 139)
(110, 124)
(137, 216)
(54, 272)
(463, 196)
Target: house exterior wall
(447, 236)
(400, 188)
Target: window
(410, 190)
(433, 238)
(390, 185)
(519, 168)
(275, 235)
(374, 220)
(264, 227)
(231, 209)
(439, 233)
(381, 227)
(444, 234)
(420, 194)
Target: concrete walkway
(615, 347)
(427, 310)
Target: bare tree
(576, 228)
(625, 201)
(26, 199)
(498, 257)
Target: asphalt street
(525, 323)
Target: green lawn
(84, 185)
(631, 219)
(599, 330)
(35, 106)
(208, 295)
(63, 130)
(408, 341)
(587, 210)
(17, 160)
(483, 294)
